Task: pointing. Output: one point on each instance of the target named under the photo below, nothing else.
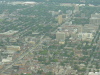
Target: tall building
(60, 36)
(60, 19)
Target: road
(90, 62)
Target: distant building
(7, 60)
(60, 36)
(76, 8)
(72, 29)
(13, 39)
(59, 28)
(78, 53)
(8, 33)
(9, 52)
(89, 28)
(96, 15)
(95, 19)
(85, 36)
(22, 3)
(94, 73)
(14, 48)
(62, 42)
(66, 4)
(54, 13)
(1, 65)
(60, 19)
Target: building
(60, 19)
(62, 42)
(1, 65)
(66, 4)
(59, 29)
(95, 19)
(60, 36)
(8, 33)
(23, 3)
(94, 73)
(72, 29)
(85, 36)
(7, 60)
(96, 15)
(78, 53)
(89, 28)
(13, 39)
(76, 8)
(14, 48)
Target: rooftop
(10, 32)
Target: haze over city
(49, 37)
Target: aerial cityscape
(49, 37)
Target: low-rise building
(15, 48)
(85, 36)
(8, 33)
(95, 19)
(7, 60)
(94, 73)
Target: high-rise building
(60, 19)
(60, 36)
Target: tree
(40, 71)
(49, 73)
